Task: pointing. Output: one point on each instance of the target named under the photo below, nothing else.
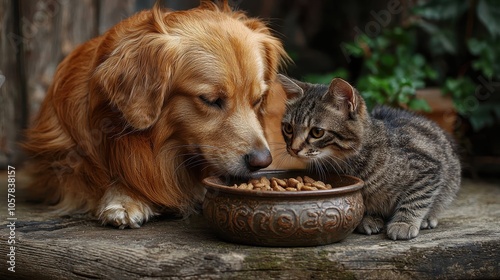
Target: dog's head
(199, 78)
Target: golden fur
(132, 121)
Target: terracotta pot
(443, 111)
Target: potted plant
(466, 32)
(394, 74)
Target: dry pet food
(281, 185)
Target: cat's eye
(317, 132)
(287, 129)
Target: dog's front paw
(370, 225)
(402, 231)
(120, 210)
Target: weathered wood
(113, 11)
(466, 244)
(12, 114)
(51, 29)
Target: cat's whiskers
(330, 160)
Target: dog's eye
(287, 128)
(257, 102)
(217, 103)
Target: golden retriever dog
(135, 118)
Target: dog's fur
(136, 117)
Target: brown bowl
(269, 218)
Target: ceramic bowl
(271, 218)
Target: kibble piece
(318, 184)
(265, 181)
(259, 185)
(319, 187)
(275, 184)
(308, 179)
(292, 183)
(308, 188)
(280, 182)
(276, 187)
(254, 181)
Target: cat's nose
(258, 159)
(295, 151)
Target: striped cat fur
(410, 166)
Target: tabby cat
(410, 166)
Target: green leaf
(407, 90)
(371, 65)
(419, 105)
(388, 60)
(481, 117)
(430, 73)
(475, 46)
(486, 68)
(442, 9)
(418, 60)
(488, 56)
(488, 12)
(353, 49)
(327, 77)
(441, 40)
(382, 42)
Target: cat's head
(323, 122)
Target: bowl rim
(209, 184)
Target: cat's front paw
(370, 225)
(429, 222)
(402, 231)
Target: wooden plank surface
(466, 244)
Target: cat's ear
(344, 94)
(293, 88)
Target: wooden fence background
(35, 35)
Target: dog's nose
(258, 159)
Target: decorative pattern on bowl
(305, 218)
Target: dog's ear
(133, 74)
(274, 54)
(133, 83)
